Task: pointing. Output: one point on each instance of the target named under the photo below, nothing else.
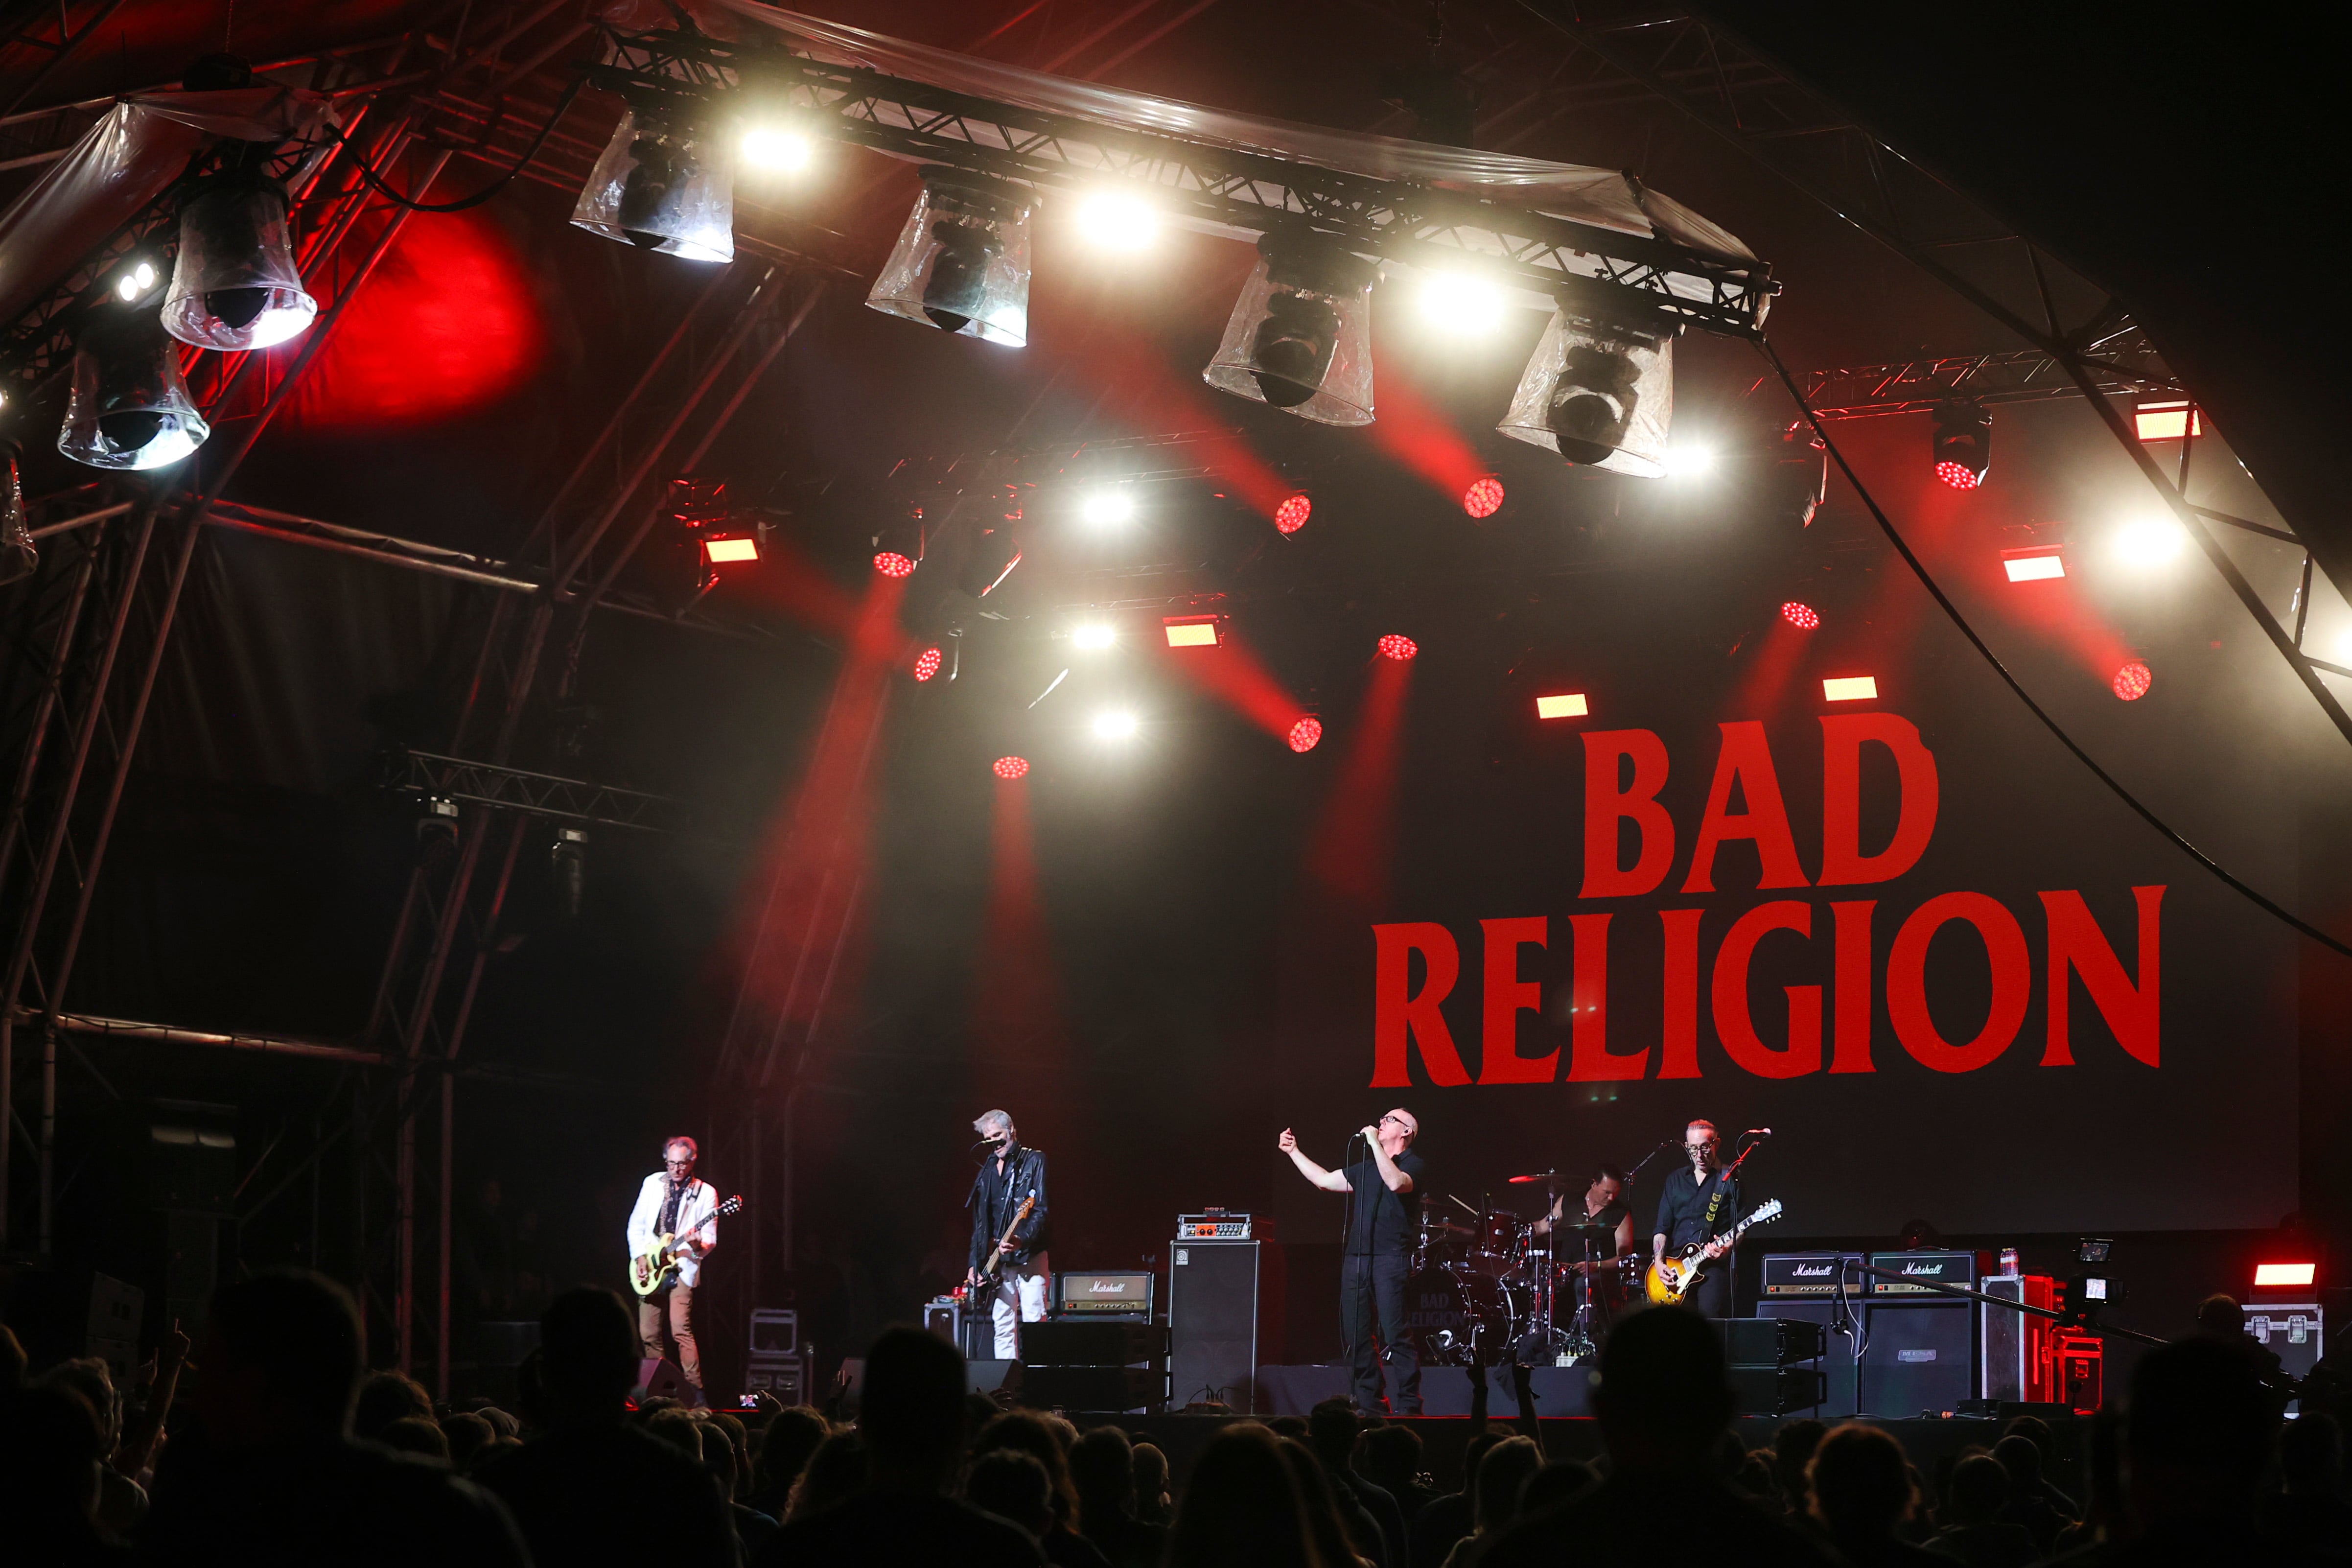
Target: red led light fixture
(1306, 734)
(2132, 681)
(1009, 768)
(890, 564)
(1484, 498)
(1959, 476)
(1397, 645)
(1292, 514)
(1804, 617)
(927, 663)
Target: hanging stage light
(1300, 335)
(235, 284)
(1108, 507)
(19, 557)
(1600, 388)
(1962, 445)
(778, 148)
(1306, 734)
(1462, 304)
(962, 263)
(1292, 514)
(1484, 498)
(129, 408)
(661, 189)
(928, 662)
(1113, 219)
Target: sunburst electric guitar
(990, 1271)
(1670, 1281)
(657, 1264)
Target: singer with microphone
(1384, 1215)
(1698, 1203)
(1010, 1175)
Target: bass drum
(1449, 1311)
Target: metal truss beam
(1252, 192)
(2010, 375)
(535, 794)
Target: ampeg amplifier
(1805, 1274)
(1934, 1268)
(1216, 1224)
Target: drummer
(1604, 1205)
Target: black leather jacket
(995, 1199)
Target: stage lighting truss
(1226, 190)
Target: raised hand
(1287, 1143)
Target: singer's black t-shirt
(1383, 1222)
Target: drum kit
(1487, 1289)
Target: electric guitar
(1671, 1280)
(657, 1264)
(989, 1269)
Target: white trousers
(1021, 1290)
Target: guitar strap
(1717, 1205)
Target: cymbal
(1557, 1178)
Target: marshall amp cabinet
(1934, 1267)
(1801, 1274)
(1118, 1295)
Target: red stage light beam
(1017, 1012)
(1230, 672)
(1411, 430)
(1351, 853)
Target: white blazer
(697, 1202)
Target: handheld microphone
(1758, 1133)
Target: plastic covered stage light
(961, 263)
(235, 284)
(19, 556)
(129, 408)
(1599, 390)
(667, 191)
(1300, 336)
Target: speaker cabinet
(1769, 1342)
(1108, 1389)
(1841, 1387)
(1093, 1344)
(1921, 1357)
(1213, 1323)
(1776, 1390)
(658, 1378)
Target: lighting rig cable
(463, 204)
(1952, 612)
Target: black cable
(562, 106)
(1952, 612)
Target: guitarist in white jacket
(672, 1203)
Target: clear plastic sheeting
(1606, 198)
(961, 263)
(122, 163)
(1597, 393)
(19, 557)
(129, 408)
(1300, 336)
(233, 283)
(662, 190)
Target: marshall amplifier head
(1933, 1267)
(1800, 1274)
(1118, 1294)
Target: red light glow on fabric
(1307, 734)
(890, 564)
(927, 663)
(1804, 617)
(450, 323)
(1397, 645)
(1959, 476)
(1292, 515)
(2132, 681)
(1009, 768)
(1484, 498)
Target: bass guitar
(992, 1267)
(1671, 1280)
(657, 1264)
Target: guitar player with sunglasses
(1698, 1203)
(673, 1229)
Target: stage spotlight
(129, 408)
(1307, 734)
(135, 280)
(1961, 447)
(927, 663)
(1599, 389)
(1109, 508)
(1688, 462)
(1115, 724)
(661, 190)
(1850, 688)
(1804, 617)
(1009, 768)
(961, 263)
(1462, 303)
(1118, 220)
(2038, 565)
(2165, 419)
(1300, 334)
(1397, 645)
(1193, 631)
(2149, 541)
(1484, 497)
(773, 147)
(1561, 705)
(235, 284)
(1292, 514)
(890, 564)
(569, 859)
(1094, 636)
(19, 556)
(2132, 681)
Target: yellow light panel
(2276, 1274)
(1192, 634)
(1850, 688)
(1561, 705)
(721, 550)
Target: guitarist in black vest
(1699, 1204)
(1009, 1270)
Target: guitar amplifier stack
(1105, 1367)
(775, 1365)
(1775, 1364)
(1919, 1349)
